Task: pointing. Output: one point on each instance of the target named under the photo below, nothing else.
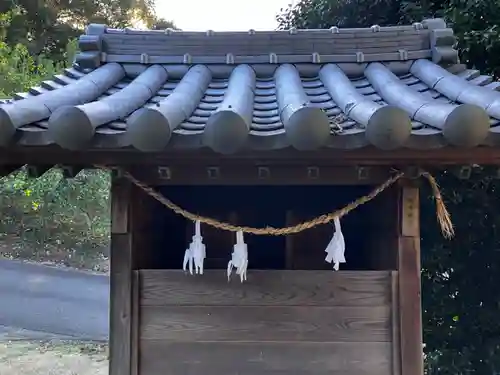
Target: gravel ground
(52, 358)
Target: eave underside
(366, 156)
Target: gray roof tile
(307, 89)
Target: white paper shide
(195, 254)
(335, 251)
(239, 258)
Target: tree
(322, 14)
(162, 24)
(47, 26)
(475, 21)
(461, 292)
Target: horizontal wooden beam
(365, 156)
(249, 174)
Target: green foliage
(476, 24)
(162, 24)
(47, 26)
(460, 290)
(49, 218)
(459, 278)
(475, 21)
(321, 14)
(19, 70)
(54, 215)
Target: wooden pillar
(123, 282)
(409, 296)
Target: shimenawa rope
(442, 213)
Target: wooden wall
(293, 322)
(164, 322)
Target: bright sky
(222, 15)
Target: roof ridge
(430, 38)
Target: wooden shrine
(262, 129)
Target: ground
(48, 291)
(52, 358)
(52, 301)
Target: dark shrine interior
(261, 206)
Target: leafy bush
(57, 219)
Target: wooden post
(410, 314)
(122, 294)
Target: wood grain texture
(410, 223)
(266, 288)
(162, 357)
(410, 307)
(396, 336)
(120, 205)
(135, 322)
(120, 346)
(410, 313)
(283, 324)
(121, 263)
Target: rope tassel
(195, 253)
(336, 248)
(239, 258)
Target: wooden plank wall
(293, 322)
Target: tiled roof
(389, 87)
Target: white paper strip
(195, 254)
(335, 251)
(239, 258)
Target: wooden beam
(365, 156)
(410, 314)
(121, 289)
(247, 173)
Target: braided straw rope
(441, 211)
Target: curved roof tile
(390, 87)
